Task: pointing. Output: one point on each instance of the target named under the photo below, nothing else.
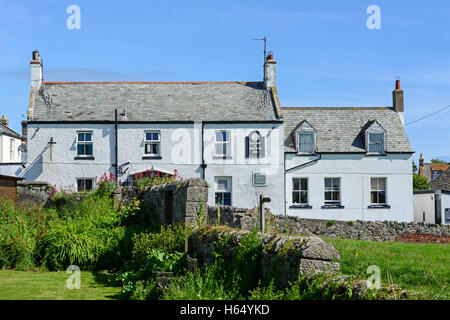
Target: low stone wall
(187, 196)
(363, 230)
(34, 193)
(283, 258)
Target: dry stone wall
(187, 198)
(363, 230)
(31, 194)
(283, 258)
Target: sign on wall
(254, 145)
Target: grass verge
(28, 285)
(420, 268)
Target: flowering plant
(106, 184)
(144, 180)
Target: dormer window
(375, 138)
(305, 138)
(376, 142)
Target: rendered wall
(355, 172)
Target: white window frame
(222, 192)
(154, 142)
(382, 143)
(332, 190)
(300, 191)
(224, 144)
(11, 149)
(85, 178)
(379, 190)
(91, 142)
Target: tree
(420, 182)
(438, 161)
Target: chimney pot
(397, 85)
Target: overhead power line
(428, 115)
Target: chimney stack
(398, 102)
(270, 71)
(421, 165)
(36, 70)
(4, 121)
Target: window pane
(327, 183)
(80, 149)
(219, 136)
(306, 138)
(155, 136)
(375, 137)
(88, 136)
(304, 197)
(296, 183)
(89, 149)
(227, 198)
(335, 195)
(88, 184)
(336, 183)
(218, 198)
(219, 148)
(382, 197)
(382, 184)
(374, 197)
(373, 184)
(81, 137)
(327, 196)
(304, 184)
(295, 197)
(148, 136)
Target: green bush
(203, 285)
(169, 239)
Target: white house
(229, 133)
(324, 163)
(10, 149)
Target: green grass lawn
(421, 269)
(28, 285)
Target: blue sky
(326, 54)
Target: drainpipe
(203, 164)
(116, 165)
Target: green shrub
(203, 285)
(170, 239)
(331, 223)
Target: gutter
(301, 165)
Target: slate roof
(154, 101)
(442, 181)
(340, 129)
(9, 132)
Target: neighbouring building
(432, 206)
(431, 170)
(442, 181)
(348, 163)
(324, 163)
(10, 149)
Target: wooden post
(262, 218)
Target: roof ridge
(146, 82)
(338, 108)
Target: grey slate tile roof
(154, 101)
(339, 129)
(5, 130)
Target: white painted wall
(424, 204)
(180, 150)
(5, 145)
(445, 204)
(244, 194)
(355, 171)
